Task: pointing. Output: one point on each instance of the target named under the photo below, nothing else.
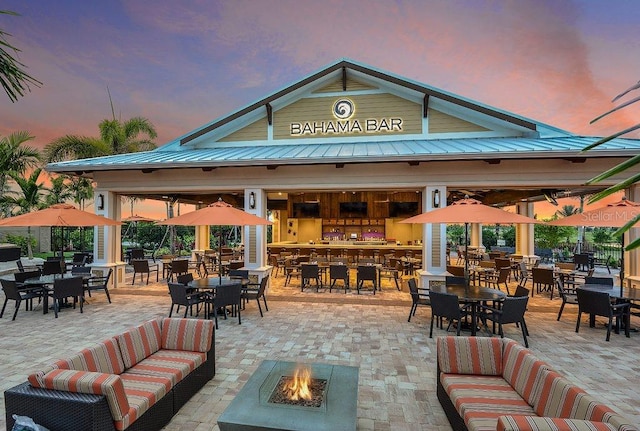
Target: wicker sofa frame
(71, 411)
(458, 424)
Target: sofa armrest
(58, 410)
(536, 423)
(86, 382)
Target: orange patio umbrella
(136, 218)
(59, 215)
(469, 211)
(218, 213)
(616, 214)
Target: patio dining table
(473, 295)
(47, 281)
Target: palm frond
(614, 189)
(617, 108)
(610, 137)
(633, 87)
(617, 169)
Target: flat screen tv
(306, 210)
(403, 209)
(353, 209)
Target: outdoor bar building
(344, 154)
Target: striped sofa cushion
(187, 334)
(559, 398)
(470, 355)
(36, 379)
(86, 382)
(523, 371)
(140, 342)
(104, 357)
(517, 423)
(171, 364)
(480, 400)
(142, 393)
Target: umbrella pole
(220, 254)
(466, 251)
(622, 262)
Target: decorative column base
(118, 276)
(427, 279)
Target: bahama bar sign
(345, 122)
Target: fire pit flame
(298, 387)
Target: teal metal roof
(355, 152)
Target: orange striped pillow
(470, 355)
(140, 342)
(193, 335)
(523, 371)
(85, 382)
(104, 357)
(558, 396)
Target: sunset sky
(182, 64)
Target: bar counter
(345, 245)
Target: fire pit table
(254, 407)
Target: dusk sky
(182, 64)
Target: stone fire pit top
(247, 413)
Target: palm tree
(15, 157)
(15, 81)
(59, 191)
(29, 197)
(116, 137)
(567, 210)
(622, 167)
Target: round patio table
(215, 282)
(473, 295)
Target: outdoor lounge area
(396, 358)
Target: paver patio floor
(396, 358)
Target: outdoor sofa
(486, 383)
(136, 380)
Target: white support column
(255, 237)
(107, 244)
(525, 244)
(476, 236)
(632, 258)
(434, 248)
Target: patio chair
(599, 280)
(199, 266)
(524, 275)
(310, 272)
(12, 292)
(338, 272)
(543, 280)
(521, 291)
(22, 276)
(568, 294)
(392, 271)
(496, 280)
(275, 263)
(599, 304)
(142, 266)
(367, 273)
(99, 282)
(291, 270)
(250, 294)
(227, 296)
(458, 271)
(180, 296)
(184, 279)
(446, 306)
(454, 280)
(419, 297)
(63, 288)
(178, 267)
(511, 310)
(51, 267)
